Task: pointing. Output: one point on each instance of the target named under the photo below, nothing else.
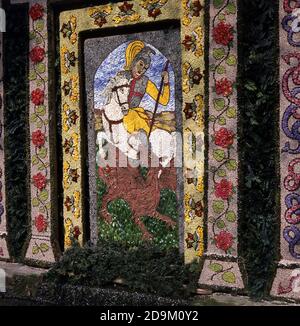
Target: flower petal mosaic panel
(40, 247)
(221, 267)
(287, 280)
(3, 223)
(191, 14)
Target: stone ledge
(15, 269)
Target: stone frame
(4, 252)
(192, 38)
(287, 279)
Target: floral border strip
(4, 254)
(127, 13)
(40, 247)
(287, 280)
(192, 34)
(221, 267)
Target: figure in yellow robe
(137, 62)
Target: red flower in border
(224, 189)
(224, 87)
(36, 11)
(224, 240)
(39, 181)
(126, 7)
(154, 12)
(40, 223)
(224, 138)
(37, 96)
(223, 33)
(188, 42)
(76, 232)
(37, 54)
(38, 138)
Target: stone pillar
(4, 254)
(40, 247)
(287, 280)
(221, 268)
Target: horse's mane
(107, 92)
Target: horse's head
(118, 90)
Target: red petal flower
(76, 232)
(224, 138)
(40, 223)
(223, 33)
(224, 87)
(36, 11)
(38, 138)
(37, 54)
(125, 7)
(39, 181)
(224, 240)
(37, 96)
(188, 42)
(154, 12)
(223, 189)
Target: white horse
(162, 143)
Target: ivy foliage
(16, 124)
(258, 102)
(144, 268)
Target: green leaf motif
(231, 165)
(35, 202)
(38, 40)
(231, 112)
(215, 267)
(40, 110)
(231, 216)
(35, 250)
(222, 121)
(221, 70)
(221, 173)
(231, 60)
(231, 8)
(32, 35)
(229, 277)
(41, 68)
(219, 53)
(39, 124)
(219, 155)
(218, 3)
(43, 152)
(44, 247)
(41, 167)
(40, 25)
(218, 206)
(212, 118)
(34, 160)
(44, 195)
(32, 75)
(219, 104)
(222, 17)
(220, 224)
(33, 118)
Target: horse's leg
(165, 219)
(146, 234)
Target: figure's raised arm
(153, 92)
